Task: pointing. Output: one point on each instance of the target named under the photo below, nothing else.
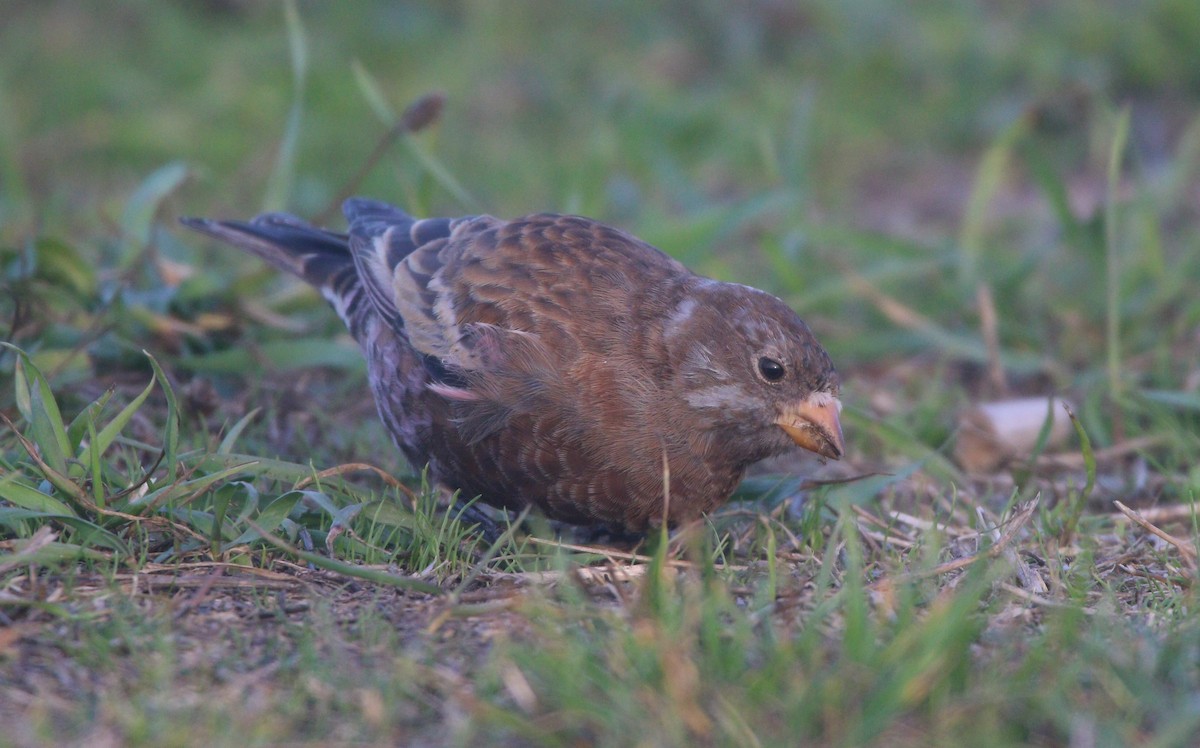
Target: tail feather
(286, 242)
(354, 271)
(320, 257)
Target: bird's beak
(813, 424)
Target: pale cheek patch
(824, 400)
(681, 315)
(715, 397)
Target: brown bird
(557, 362)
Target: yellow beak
(814, 425)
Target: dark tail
(353, 271)
(318, 256)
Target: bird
(558, 363)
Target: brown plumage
(557, 362)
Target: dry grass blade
(611, 555)
(989, 328)
(26, 549)
(1028, 578)
(1188, 550)
(1021, 515)
(420, 114)
(1128, 446)
(351, 467)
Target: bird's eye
(771, 370)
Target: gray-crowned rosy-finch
(557, 362)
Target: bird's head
(753, 370)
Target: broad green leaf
(271, 517)
(79, 425)
(28, 497)
(287, 472)
(1173, 398)
(37, 405)
(143, 204)
(117, 424)
(97, 471)
(47, 430)
(54, 553)
(184, 490)
(387, 513)
(89, 533)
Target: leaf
(28, 497)
(89, 532)
(37, 405)
(373, 93)
(79, 425)
(288, 472)
(52, 554)
(105, 438)
(387, 513)
(171, 435)
(143, 204)
(185, 490)
(47, 430)
(271, 517)
(1075, 511)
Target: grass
(202, 540)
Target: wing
(513, 309)
(381, 237)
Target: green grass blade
(226, 445)
(988, 180)
(279, 185)
(47, 430)
(95, 468)
(1075, 511)
(171, 432)
(1112, 253)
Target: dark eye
(771, 370)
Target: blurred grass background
(751, 140)
(801, 147)
(877, 164)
